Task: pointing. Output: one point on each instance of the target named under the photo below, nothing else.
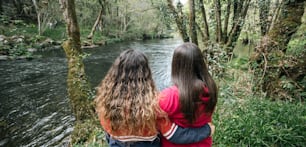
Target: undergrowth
(243, 119)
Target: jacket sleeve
(180, 135)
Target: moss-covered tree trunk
(264, 8)
(179, 20)
(238, 21)
(270, 61)
(79, 91)
(205, 24)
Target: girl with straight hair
(191, 101)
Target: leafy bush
(216, 59)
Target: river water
(34, 107)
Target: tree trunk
(237, 26)
(237, 5)
(226, 19)
(94, 27)
(271, 63)
(287, 24)
(201, 33)
(79, 91)
(38, 16)
(205, 24)
(218, 21)
(104, 6)
(275, 13)
(192, 23)
(264, 7)
(179, 22)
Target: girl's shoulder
(168, 99)
(171, 89)
(169, 93)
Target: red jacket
(169, 102)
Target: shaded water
(34, 108)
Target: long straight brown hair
(190, 74)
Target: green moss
(88, 132)
(80, 94)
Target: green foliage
(216, 58)
(20, 50)
(294, 89)
(87, 12)
(259, 122)
(239, 63)
(242, 119)
(58, 33)
(4, 19)
(297, 46)
(25, 30)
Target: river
(34, 107)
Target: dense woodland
(255, 49)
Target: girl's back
(188, 103)
(169, 102)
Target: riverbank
(19, 40)
(23, 47)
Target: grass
(242, 119)
(259, 122)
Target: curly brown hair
(127, 96)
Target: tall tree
(269, 57)
(275, 14)
(205, 24)
(79, 91)
(218, 20)
(179, 19)
(264, 8)
(37, 9)
(98, 20)
(240, 12)
(192, 23)
(226, 20)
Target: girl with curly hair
(128, 109)
(191, 101)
